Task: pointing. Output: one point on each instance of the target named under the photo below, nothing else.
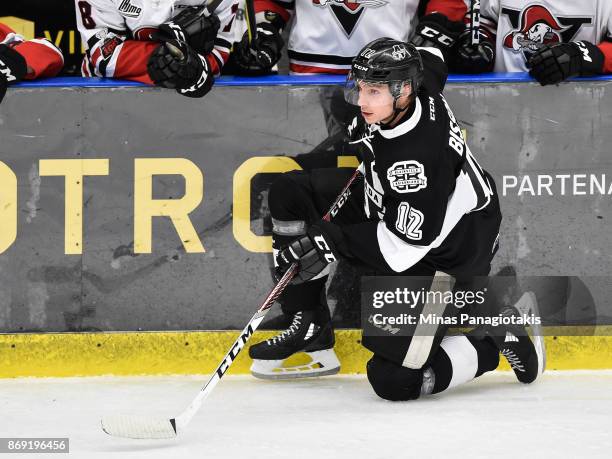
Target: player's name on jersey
(556, 185)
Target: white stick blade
(140, 427)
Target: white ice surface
(565, 414)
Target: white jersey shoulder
(328, 33)
(135, 15)
(522, 26)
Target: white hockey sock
(459, 360)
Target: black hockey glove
(312, 252)
(552, 64)
(191, 26)
(438, 31)
(471, 58)
(260, 56)
(13, 68)
(175, 65)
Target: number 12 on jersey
(409, 221)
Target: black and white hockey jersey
(420, 180)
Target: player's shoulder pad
(435, 69)
(424, 50)
(434, 112)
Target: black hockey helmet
(385, 60)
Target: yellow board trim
(163, 353)
(20, 26)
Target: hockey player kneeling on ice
(425, 205)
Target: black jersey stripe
(320, 58)
(288, 4)
(223, 43)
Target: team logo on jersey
(129, 10)
(109, 45)
(535, 26)
(348, 12)
(407, 176)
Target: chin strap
(397, 112)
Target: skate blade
(323, 363)
(528, 304)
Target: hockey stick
(143, 427)
(249, 6)
(475, 22)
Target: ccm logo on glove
(325, 249)
(437, 36)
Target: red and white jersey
(43, 58)
(327, 34)
(523, 26)
(118, 34)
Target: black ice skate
(303, 335)
(526, 354)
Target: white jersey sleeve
(118, 34)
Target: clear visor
(372, 94)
